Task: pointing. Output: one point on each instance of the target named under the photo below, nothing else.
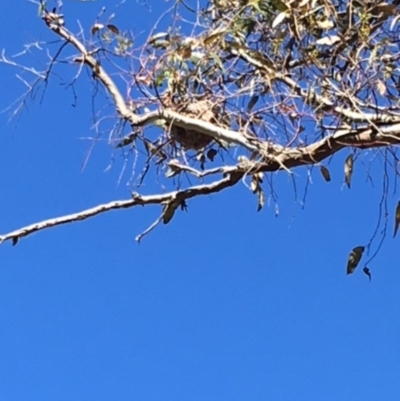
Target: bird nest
(190, 139)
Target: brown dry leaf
(113, 29)
(325, 173)
(95, 28)
(348, 169)
(261, 199)
(151, 148)
(172, 172)
(217, 34)
(354, 258)
(186, 52)
(169, 211)
(252, 103)
(254, 184)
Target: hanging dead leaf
(254, 184)
(158, 36)
(113, 29)
(150, 147)
(160, 40)
(95, 28)
(215, 35)
(155, 150)
(261, 199)
(185, 52)
(325, 173)
(397, 219)
(172, 172)
(348, 169)
(169, 211)
(252, 103)
(354, 258)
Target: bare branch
(137, 200)
(91, 62)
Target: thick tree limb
(290, 158)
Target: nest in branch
(190, 139)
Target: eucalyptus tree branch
(170, 116)
(137, 200)
(260, 62)
(290, 158)
(244, 139)
(52, 20)
(380, 128)
(177, 168)
(249, 142)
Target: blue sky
(224, 303)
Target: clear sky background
(224, 303)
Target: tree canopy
(225, 93)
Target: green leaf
(279, 5)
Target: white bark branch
(137, 200)
(93, 64)
(290, 158)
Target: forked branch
(235, 70)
